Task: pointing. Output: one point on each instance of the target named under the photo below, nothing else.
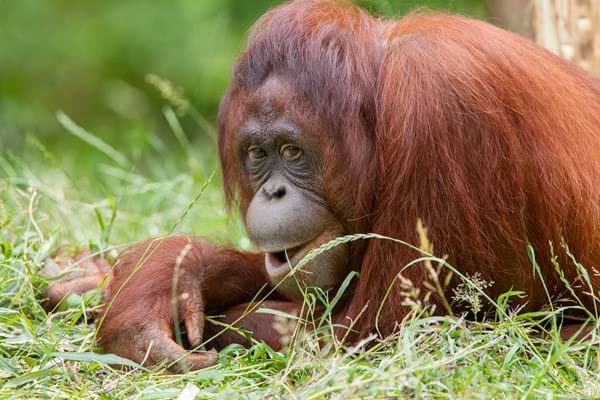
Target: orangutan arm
(158, 287)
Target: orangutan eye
(290, 152)
(255, 153)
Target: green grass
(104, 196)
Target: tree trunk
(569, 28)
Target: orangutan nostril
(274, 192)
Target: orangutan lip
(277, 262)
(283, 256)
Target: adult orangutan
(335, 123)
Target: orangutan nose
(274, 191)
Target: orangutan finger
(191, 308)
(194, 325)
(165, 349)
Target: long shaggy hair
(490, 140)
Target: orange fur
(492, 141)
(489, 139)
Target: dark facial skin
(288, 215)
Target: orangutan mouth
(278, 259)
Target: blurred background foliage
(109, 107)
(108, 111)
(91, 59)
